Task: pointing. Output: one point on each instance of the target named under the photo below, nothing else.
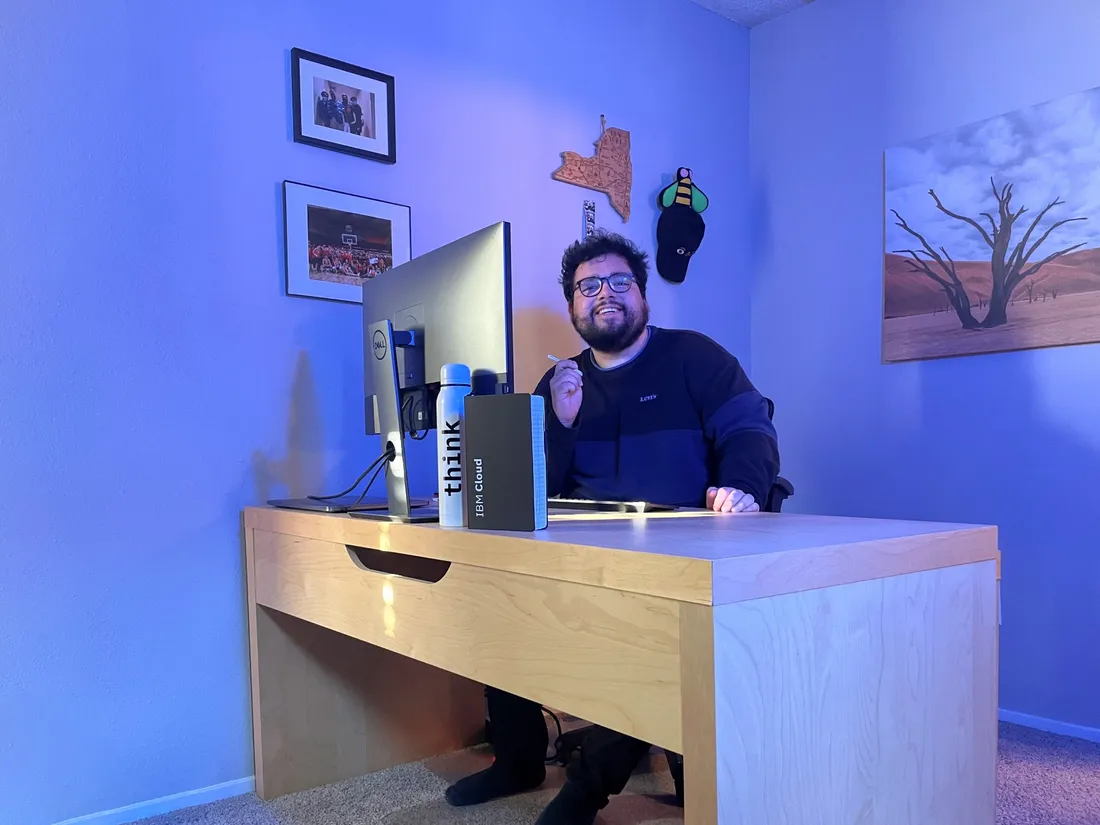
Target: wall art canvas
(336, 241)
(343, 107)
(992, 235)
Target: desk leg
(697, 714)
(327, 707)
(873, 702)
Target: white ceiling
(751, 12)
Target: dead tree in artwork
(949, 281)
(1009, 269)
(1011, 272)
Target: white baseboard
(166, 804)
(1049, 725)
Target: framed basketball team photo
(335, 242)
(343, 107)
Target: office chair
(566, 744)
(782, 489)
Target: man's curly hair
(597, 245)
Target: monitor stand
(343, 504)
(381, 342)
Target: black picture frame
(306, 206)
(313, 73)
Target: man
(644, 413)
(355, 116)
(342, 110)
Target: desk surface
(694, 556)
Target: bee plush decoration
(680, 228)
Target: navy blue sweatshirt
(680, 417)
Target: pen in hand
(565, 391)
(557, 360)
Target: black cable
(388, 456)
(373, 464)
(557, 748)
(407, 411)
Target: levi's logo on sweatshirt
(645, 398)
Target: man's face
(608, 321)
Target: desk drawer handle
(398, 564)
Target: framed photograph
(992, 233)
(343, 107)
(335, 241)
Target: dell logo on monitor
(379, 346)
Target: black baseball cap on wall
(680, 230)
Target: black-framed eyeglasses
(591, 286)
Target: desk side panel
(331, 707)
(873, 702)
(326, 707)
(610, 657)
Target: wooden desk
(810, 669)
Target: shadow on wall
(538, 332)
(667, 179)
(302, 469)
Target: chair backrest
(782, 489)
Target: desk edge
(675, 578)
(766, 575)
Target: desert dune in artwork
(993, 235)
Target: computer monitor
(450, 305)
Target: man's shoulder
(691, 342)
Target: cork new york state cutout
(608, 171)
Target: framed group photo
(336, 241)
(343, 107)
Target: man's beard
(611, 338)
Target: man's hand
(730, 500)
(565, 391)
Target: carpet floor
(1042, 779)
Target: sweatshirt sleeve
(742, 440)
(560, 441)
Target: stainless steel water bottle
(454, 386)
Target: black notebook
(505, 462)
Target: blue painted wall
(1010, 439)
(153, 378)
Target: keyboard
(608, 506)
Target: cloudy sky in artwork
(1047, 151)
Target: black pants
(606, 761)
